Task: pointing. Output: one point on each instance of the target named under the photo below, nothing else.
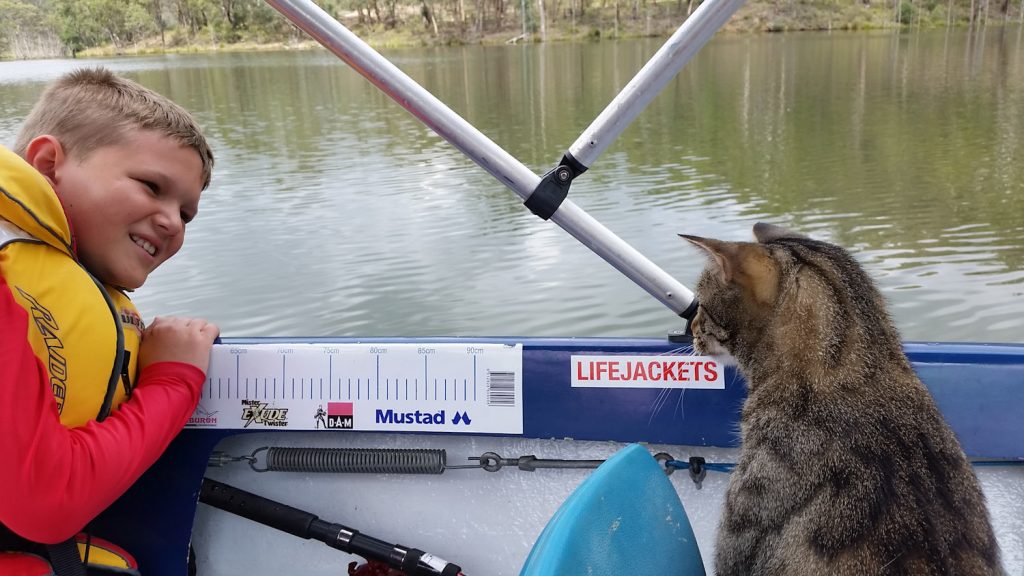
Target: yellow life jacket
(87, 334)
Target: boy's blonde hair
(90, 108)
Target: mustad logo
(417, 417)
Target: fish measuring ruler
(461, 387)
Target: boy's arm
(54, 480)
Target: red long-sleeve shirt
(53, 479)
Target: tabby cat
(846, 466)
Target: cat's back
(864, 479)
(846, 465)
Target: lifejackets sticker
(647, 371)
(397, 387)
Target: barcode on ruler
(501, 388)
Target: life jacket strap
(65, 560)
(79, 556)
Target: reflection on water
(334, 212)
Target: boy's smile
(128, 204)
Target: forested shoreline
(69, 28)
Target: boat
(479, 451)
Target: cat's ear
(765, 232)
(720, 251)
(747, 265)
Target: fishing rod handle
(309, 526)
(256, 508)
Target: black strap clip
(554, 187)
(697, 470)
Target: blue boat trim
(978, 387)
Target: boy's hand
(171, 339)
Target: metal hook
(492, 462)
(252, 459)
(218, 458)
(663, 458)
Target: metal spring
(356, 460)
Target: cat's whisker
(894, 558)
(684, 350)
(735, 376)
(662, 399)
(659, 403)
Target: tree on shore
(42, 28)
(26, 31)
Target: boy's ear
(45, 154)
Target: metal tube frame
(662, 67)
(649, 81)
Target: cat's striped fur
(846, 466)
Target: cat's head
(785, 296)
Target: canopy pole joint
(554, 187)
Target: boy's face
(128, 204)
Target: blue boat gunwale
(978, 386)
(953, 372)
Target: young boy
(104, 177)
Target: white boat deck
(485, 522)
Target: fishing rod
(409, 561)
(545, 196)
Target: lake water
(333, 212)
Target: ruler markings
(402, 383)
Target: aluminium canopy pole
(406, 92)
(507, 169)
(648, 82)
